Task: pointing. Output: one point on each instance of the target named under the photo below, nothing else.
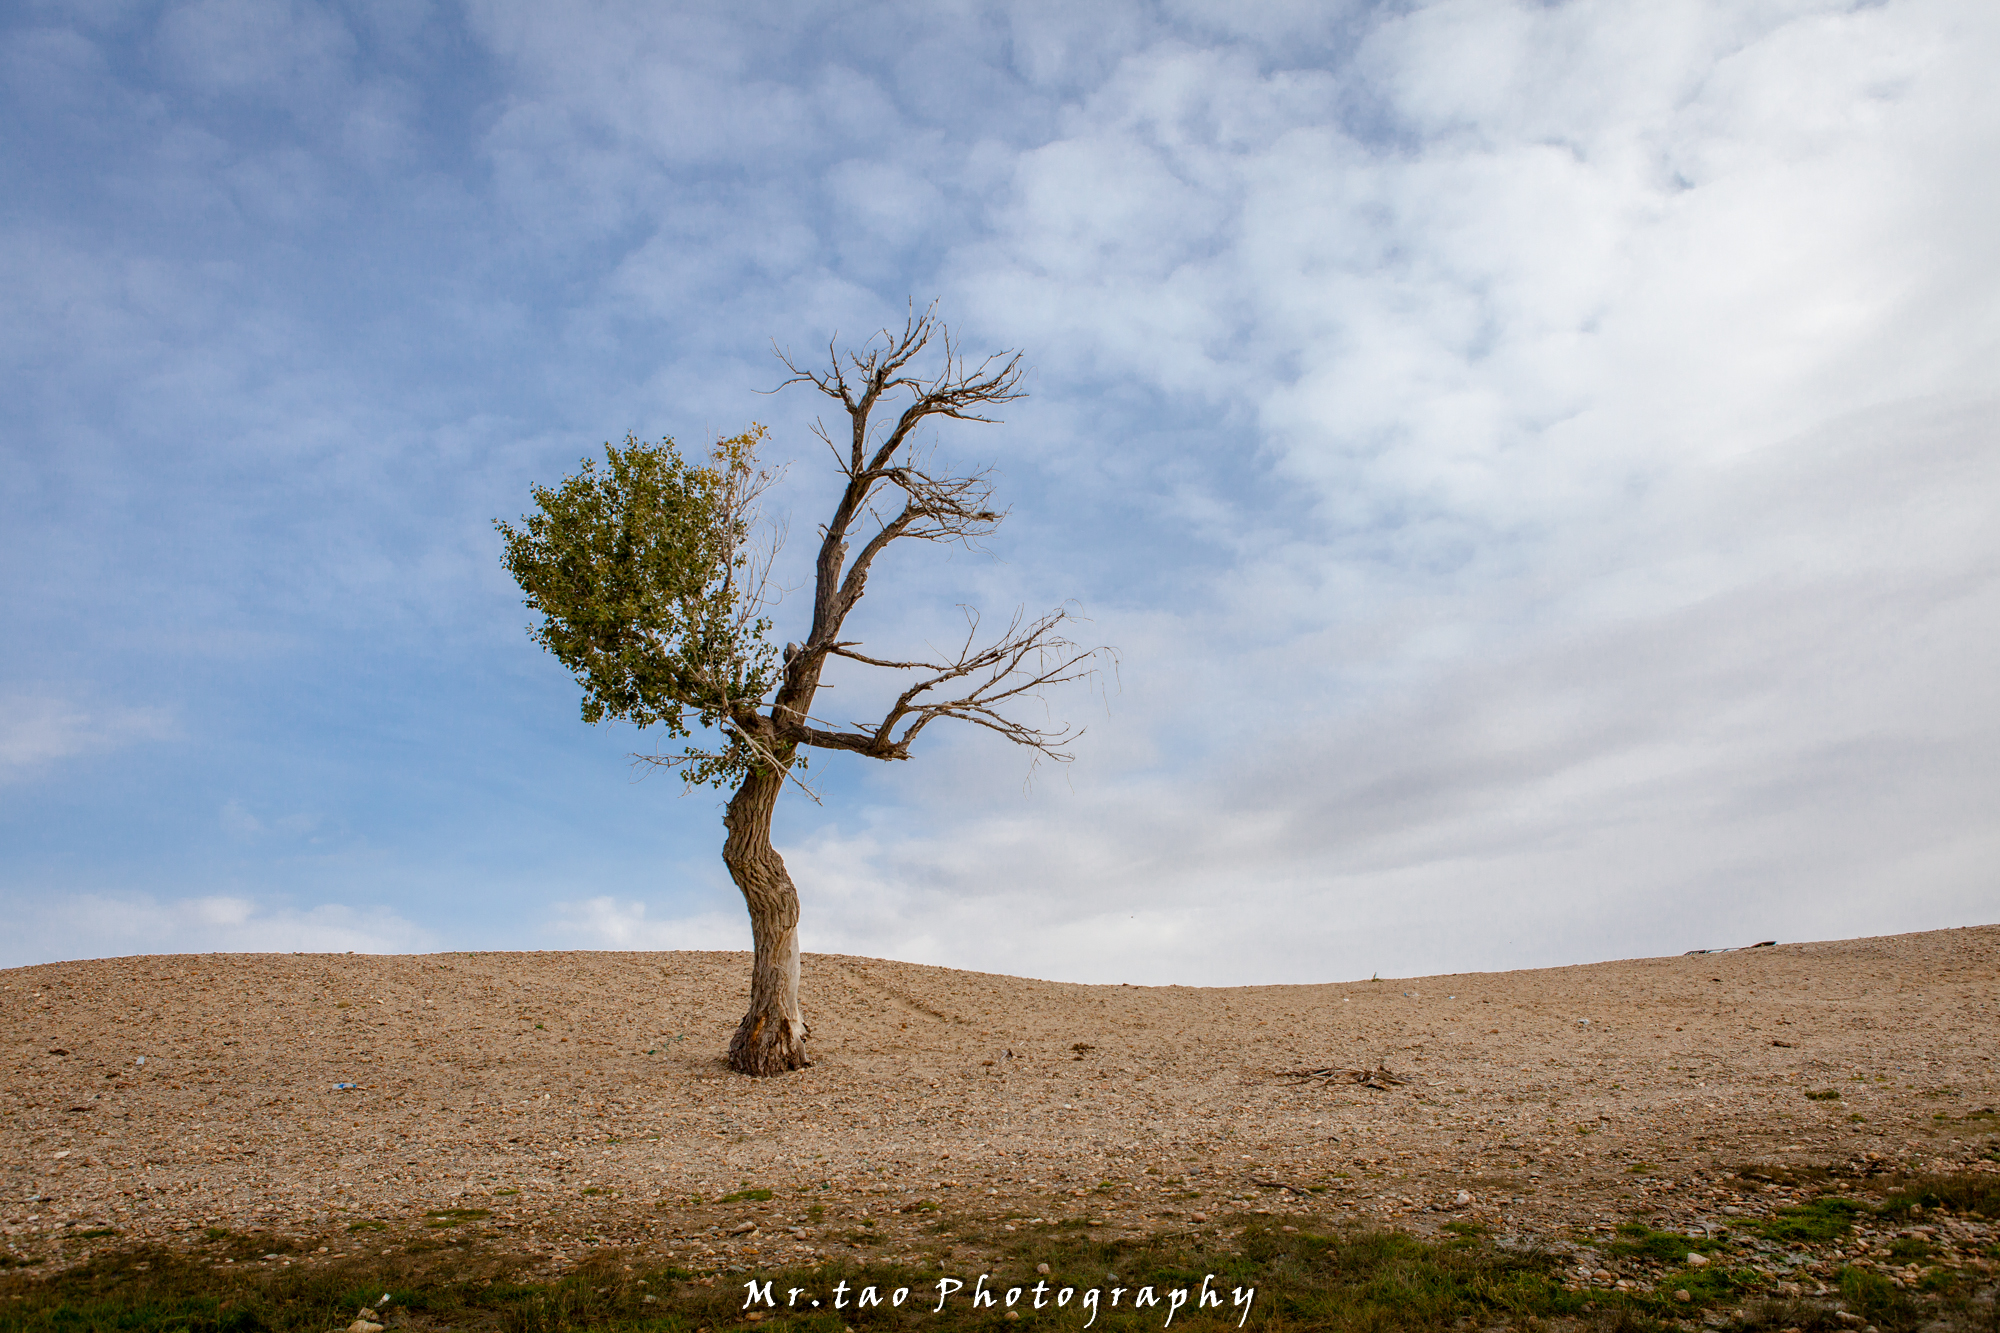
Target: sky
(1535, 463)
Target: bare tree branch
(905, 496)
(1024, 660)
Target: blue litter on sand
(343, 1087)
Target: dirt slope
(580, 1098)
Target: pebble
(1697, 1260)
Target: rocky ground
(553, 1103)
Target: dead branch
(1025, 659)
(900, 496)
(934, 508)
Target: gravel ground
(580, 1099)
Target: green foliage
(1872, 1296)
(1637, 1240)
(639, 572)
(1717, 1283)
(759, 1196)
(1824, 1095)
(1811, 1223)
(1965, 1192)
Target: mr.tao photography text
(1043, 1295)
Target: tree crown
(650, 594)
(646, 589)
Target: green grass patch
(1824, 1095)
(1964, 1192)
(1639, 1241)
(96, 1233)
(1347, 1282)
(452, 1217)
(1874, 1298)
(743, 1196)
(1811, 1223)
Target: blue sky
(1535, 461)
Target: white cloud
(1797, 739)
(1647, 586)
(106, 925)
(608, 923)
(37, 730)
(242, 825)
(1605, 552)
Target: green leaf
(634, 568)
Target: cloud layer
(1535, 463)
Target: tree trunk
(772, 1037)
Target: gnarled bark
(772, 1037)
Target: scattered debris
(1378, 1077)
(1734, 948)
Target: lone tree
(653, 593)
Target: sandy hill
(580, 1098)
